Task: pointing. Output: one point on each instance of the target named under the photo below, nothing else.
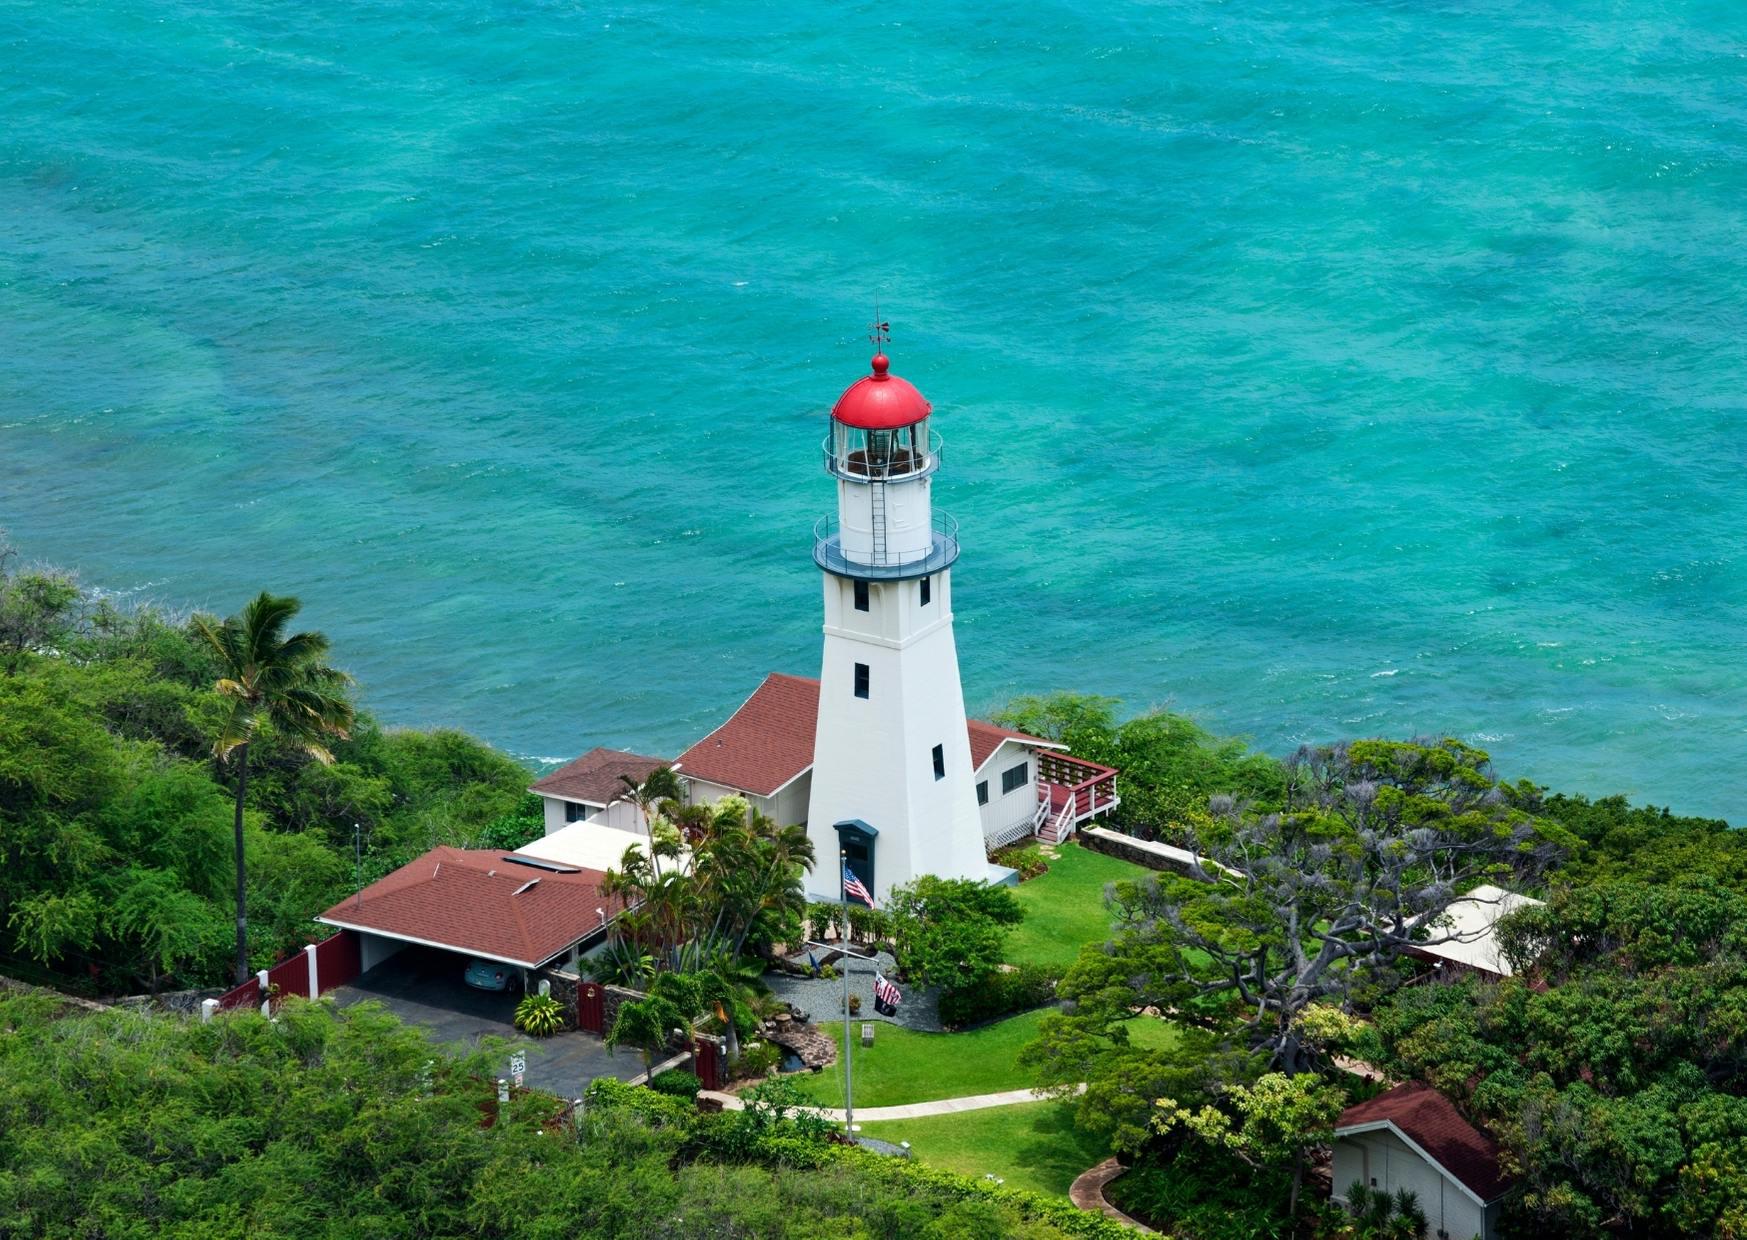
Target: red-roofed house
(515, 910)
(1413, 1137)
(764, 752)
(592, 787)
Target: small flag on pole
(886, 996)
(852, 886)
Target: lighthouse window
(861, 596)
(1015, 777)
(861, 680)
(940, 762)
(927, 591)
(982, 792)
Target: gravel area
(822, 998)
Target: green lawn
(1034, 1145)
(1064, 909)
(903, 1066)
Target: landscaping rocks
(809, 1045)
(822, 998)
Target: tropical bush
(1028, 859)
(340, 1122)
(758, 1059)
(676, 1083)
(996, 994)
(539, 1016)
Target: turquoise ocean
(1319, 369)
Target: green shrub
(758, 1059)
(676, 1083)
(1028, 859)
(539, 1016)
(995, 995)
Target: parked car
(486, 975)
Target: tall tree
(274, 679)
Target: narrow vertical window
(861, 680)
(982, 792)
(940, 762)
(927, 591)
(861, 596)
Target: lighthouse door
(856, 839)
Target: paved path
(1087, 1193)
(913, 1110)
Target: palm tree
(647, 1024)
(278, 680)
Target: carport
(513, 913)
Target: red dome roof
(880, 402)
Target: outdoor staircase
(1054, 825)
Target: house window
(574, 812)
(927, 591)
(861, 680)
(940, 762)
(1015, 777)
(861, 596)
(982, 792)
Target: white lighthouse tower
(891, 784)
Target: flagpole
(848, 1068)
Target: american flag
(852, 887)
(886, 996)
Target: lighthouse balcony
(861, 556)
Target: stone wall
(564, 986)
(612, 999)
(1151, 854)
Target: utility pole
(358, 862)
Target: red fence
(709, 1056)
(246, 995)
(337, 960)
(289, 977)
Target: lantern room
(879, 429)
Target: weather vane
(881, 335)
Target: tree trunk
(242, 752)
(1297, 1183)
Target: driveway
(423, 987)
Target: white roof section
(588, 846)
(1473, 919)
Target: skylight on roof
(540, 864)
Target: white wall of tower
(909, 518)
(873, 756)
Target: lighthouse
(892, 782)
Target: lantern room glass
(902, 452)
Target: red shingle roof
(594, 777)
(764, 744)
(986, 738)
(769, 740)
(1431, 1121)
(475, 901)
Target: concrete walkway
(1087, 1193)
(913, 1110)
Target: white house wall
(1003, 811)
(1380, 1159)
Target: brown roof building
(598, 777)
(483, 902)
(1413, 1137)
